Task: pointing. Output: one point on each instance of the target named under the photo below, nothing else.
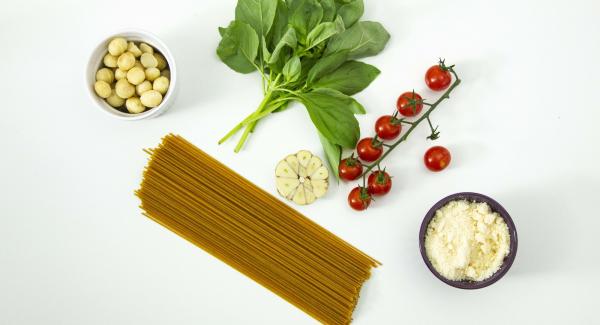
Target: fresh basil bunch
(306, 51)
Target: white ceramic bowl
(95, 63)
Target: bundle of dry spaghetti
(203, 201)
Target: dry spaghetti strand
(208, 204)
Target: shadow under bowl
(495, 207)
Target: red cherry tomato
(380, 183)
(350, 169)
(438, 78)
(369, 151)
(359, 198)
(437, 158)
(409, 104)
(386, 128)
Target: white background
(522, 128)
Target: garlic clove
(319, 187)
(300, 195)
(313, 164)
(286, 186)
(304, 157)
(321, 173)
(292, 160)
(283, 169)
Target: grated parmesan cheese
(467, 241)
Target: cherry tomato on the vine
(409, 104)
(368, 150)
(359, 198)
(380, 183)
(350, 169)
(437, 78)
(387, 128)
(437, 158)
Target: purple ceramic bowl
(496, 207)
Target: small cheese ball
(117, 46)
(143, 87)
(151, 98)
(148, 60)
(166, 73)
(161, 84)
(114, 100)
(110, 60)
(162, 62)
(102, 88)
(126, 61)
(136, 76)
(124, 89)
(134, 105)
(105, 74)
(120, 74)
(152, 73)
(134, 49)
(146, 48)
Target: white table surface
(522, 128)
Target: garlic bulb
(302, 178)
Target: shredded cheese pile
(467, 241)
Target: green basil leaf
(238, 47)
(280, 24)
(333, 153)
(339, 24)
(365, 38)
(357, 107)
(292, 69)
(257, 13)
(329, 111)
(326, 65)
(350, 78)
(351, 12)
(307, 65)
(283, 56)
(265, 50)
(288, 39)
(319, 34)
(304, 15)
(329, 10)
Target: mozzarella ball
(134, 49)
(166, 73)
(146, 48)
(110, 61)
(162, 62)
(151, 98)
(134, 105)
(148, 60)
(105, 74)
(136, 76)
(120, 74)
(126, 61)
(114, 100)
(152, 73)
(102, 88)
(124, 89)
(117, 46)
(161, 84)
(143, 87)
